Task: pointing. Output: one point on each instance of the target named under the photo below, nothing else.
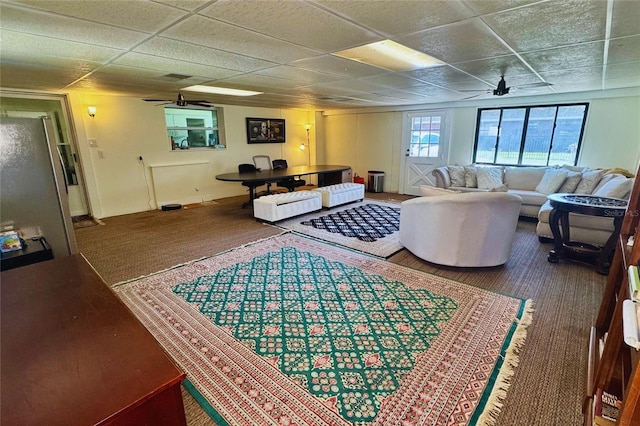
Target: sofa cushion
(501, 188)
(590, 179)
(431, 191)
(615, 188)
(456, 173)
(571, 183)
(489, 177)
(529, 197)
(523, 177)
(551, 181)
(470, 177)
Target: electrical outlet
(93, 142)
(100, 153)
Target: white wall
(371, 139)
(127, 128)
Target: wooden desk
(73, 354)
(279, 174)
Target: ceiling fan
(502, 88)
(181, 101)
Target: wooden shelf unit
(616, 369)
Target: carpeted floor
(549, 383)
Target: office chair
(290, 183)
(263, 162)
(252, 185)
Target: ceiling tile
(483, 7)
(550, 24)
(218, 35)
(563, 58)
(451, 43)
(295, 21)
(144, 16)
(299, 76)
(408, 16)
(447, 76)
(37, 77)
(392, 80)
(168, 66)
(625, 18)
(575, 80)
(32, 45)
(184, 4)
(491, 69)
(330, 64)
(626, 49)
(622, 75)
(60, 27)
(254, 81)
(182, 51)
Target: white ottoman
(341, 193)
(272, 208)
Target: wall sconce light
(92, 111)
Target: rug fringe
(511, 360)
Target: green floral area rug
(293, 331)
(369, 226)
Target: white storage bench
(341, 193)
(272, 208)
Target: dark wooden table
(280, 174)
(74, 354)
(564, 247)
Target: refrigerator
(33, 191)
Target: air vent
(175, 77)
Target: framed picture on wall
(265, 130)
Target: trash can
(376, 181)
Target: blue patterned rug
(369, 226)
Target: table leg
(554, 219)
(603, 261)
(252, 196)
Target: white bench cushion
(340, 193)
(281, 206)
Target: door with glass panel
(424, 149)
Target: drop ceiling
(151, 49)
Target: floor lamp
(307, 146)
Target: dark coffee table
(564, 247)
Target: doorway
(54, 107)
(425, 145)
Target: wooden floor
(548, 385)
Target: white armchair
(467, 230)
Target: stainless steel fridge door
(33, 193)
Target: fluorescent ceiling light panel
(389, 55)
(221, 90)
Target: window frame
(175, 145)
(523, 137)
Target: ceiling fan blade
(157, 100)
(471, 97)
(475, 90)
(538, 84)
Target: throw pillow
(551, 181)
(574, 168)
(431, 191)
(571, 183)
(615, 188)
(456, 173)
(589, 181)
(470, 177)
(489, 177)
(501, 188)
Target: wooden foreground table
(73, 354)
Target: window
(530, 136)
(425, 135)
(189, 128)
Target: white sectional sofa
(533, 184)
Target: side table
(563, 204)
(35, 250)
